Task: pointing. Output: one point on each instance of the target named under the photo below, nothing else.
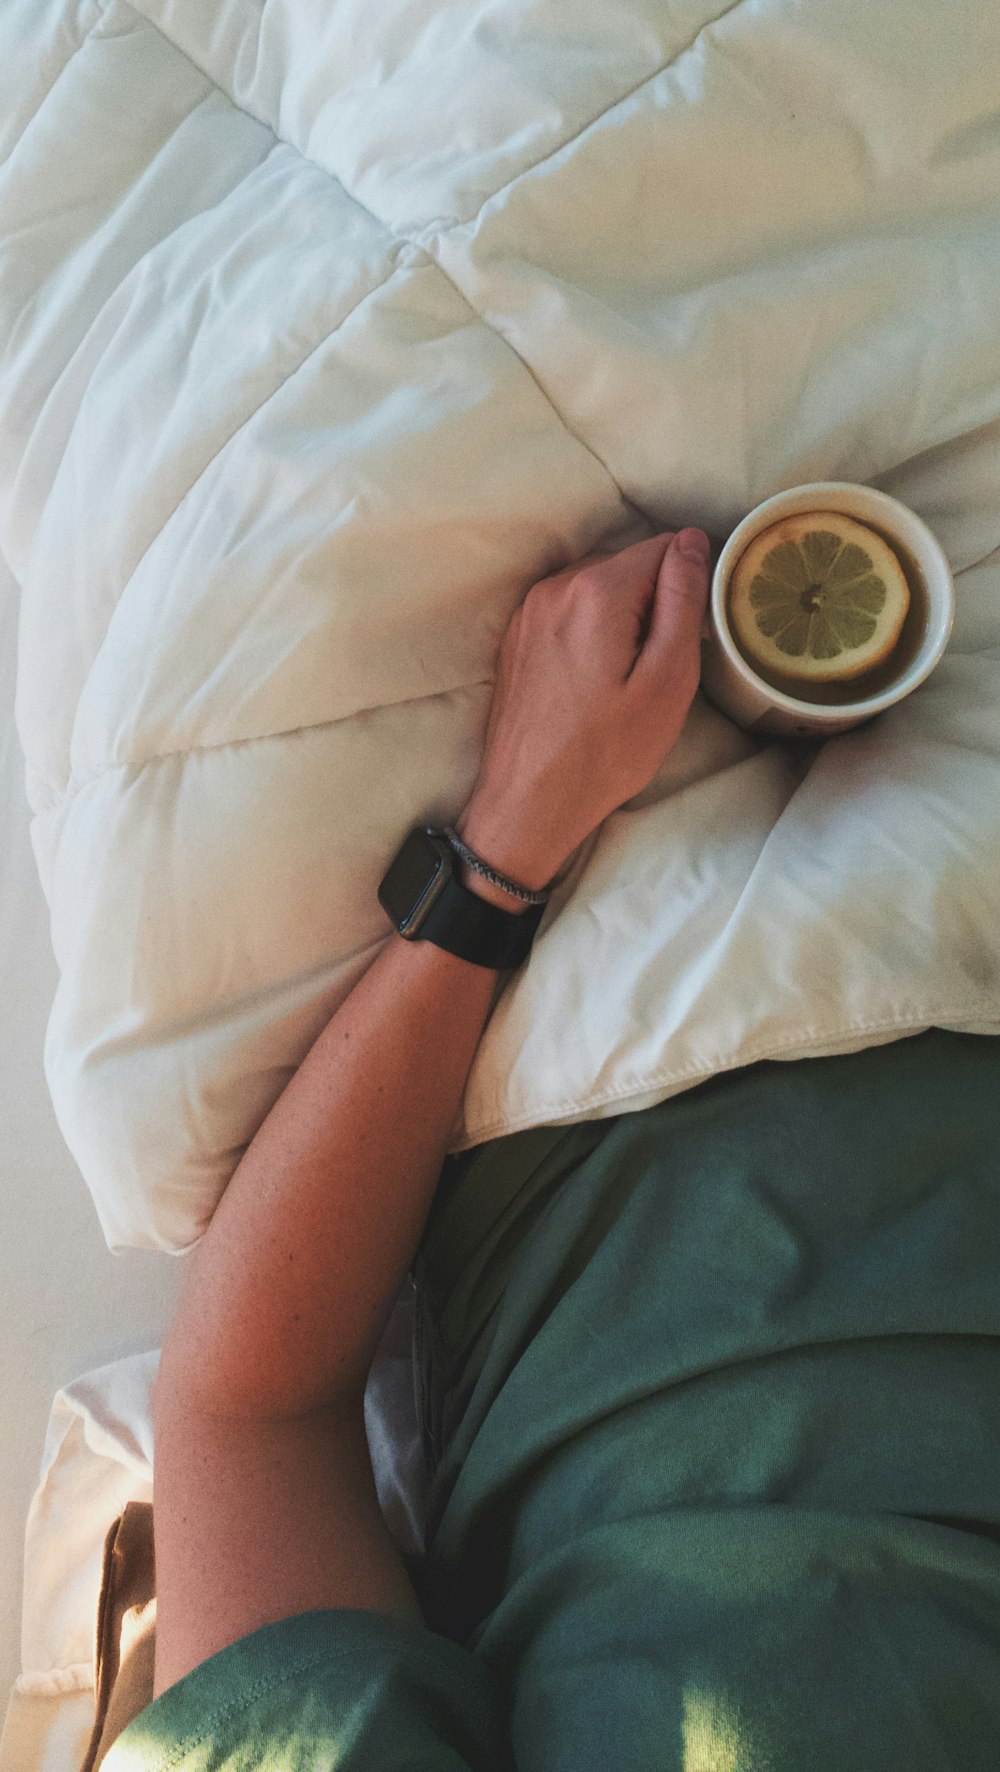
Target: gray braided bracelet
(491, 874)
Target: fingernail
(694, 545)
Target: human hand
(596, 673)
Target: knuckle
(589, 582)
(686, 579)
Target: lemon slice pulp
(818, 597)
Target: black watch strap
(465, 924)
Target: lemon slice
(818, 596)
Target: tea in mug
(827, 609)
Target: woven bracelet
(489, 873)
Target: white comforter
(325, 330)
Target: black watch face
(417, 877)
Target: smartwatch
(426, 902)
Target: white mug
(733, 685)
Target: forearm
(266, 1500)
(291, 1285)
(293, 1280)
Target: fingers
(638, 564)
(685, 564)
(679, 606)
(621, 569)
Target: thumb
(679, 605)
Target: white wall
(66, 1304)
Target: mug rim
(916, 537)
